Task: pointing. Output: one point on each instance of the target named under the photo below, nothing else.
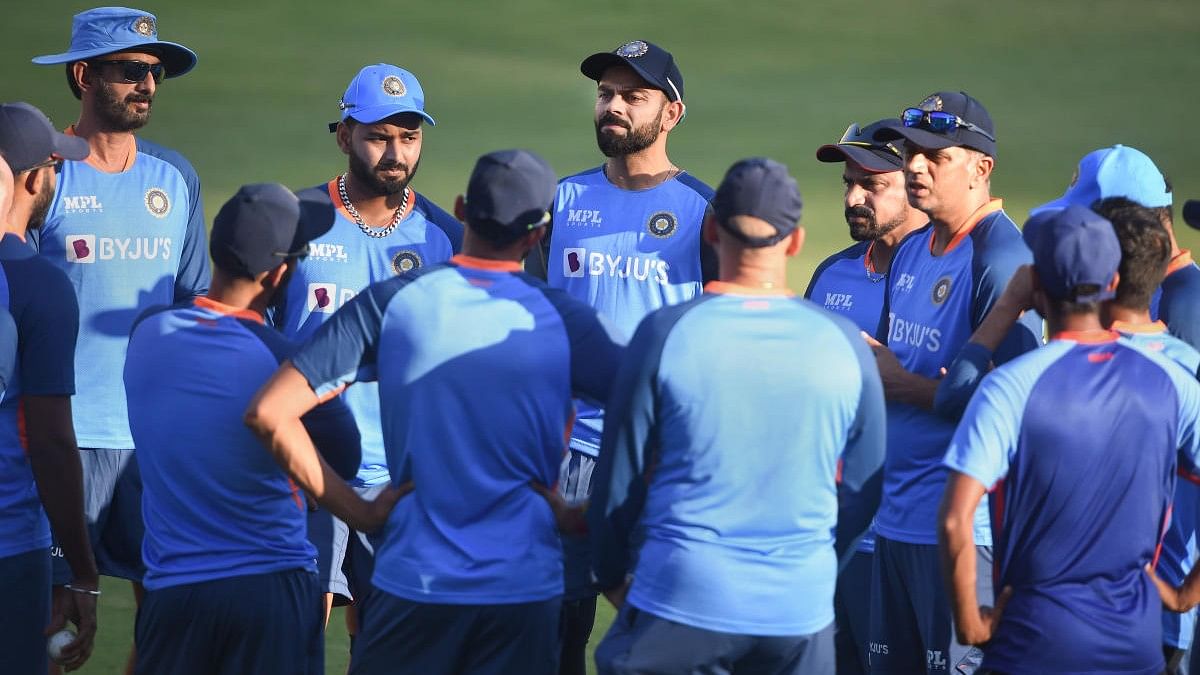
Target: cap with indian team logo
(380, 91)
(653, 63)
(107, 30)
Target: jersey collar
(471, 262)
(208, 303)
(1180, 261)
(726, 288)
(1087, 337)
(973, 220)
(1152, 328)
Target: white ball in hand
(57, 642)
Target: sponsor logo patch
(81, 248)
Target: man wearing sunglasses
(127, 227)
(852, 283)
(943, 281)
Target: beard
(863, 226)
(114, 112)
(369, 179)
(634, 141)
(41, 205)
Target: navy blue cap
(259, 228)
(1075, 253)
(958, 103)
(27, 138)
(107, 30)
(512, 189)
(653, 63)
(858, 145)
(761, 188)
(1191, 213)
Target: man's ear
(710, 230)
(795, 241)
(460, 208)
(343, 137)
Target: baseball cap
(380, 91)
(653, 63)
(259, 228)
(761, 188)
(1119, 171)
(512, 189)
(1075, 253)
(105, 30)
(958, 103)
(858, 146)
(27, 138)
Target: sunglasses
(136, 71)
(939, 122)
(56, 163)
(854, 136)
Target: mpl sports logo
(77, 204)
(584, 218)
(325, 297)
(839, 301)
(88, 248)
(579, 262)
(327, 252)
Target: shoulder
(585, 176)
(150, 314)
(439, 217)
(281, 347)
(912, 242)
(696, 185)
(662, 322)
(169, 156)
(855, 252)
(318, 194)
(47, 283)
(998, 235)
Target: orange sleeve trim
(724, 287)
(1088, 337)
(1180, 261)
(972, 220)
(205, 302)
(486, 264)
(1153, 328)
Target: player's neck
(951, 220)
(752, 272)
(375, 209)
(238, 293)
(1074, 323)
(110, 151)
(1112, 312)
(883, 248)
(18, 221)
(640, 171)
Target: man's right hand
(370, 516)
(79, 609)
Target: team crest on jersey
(632, 50)
(144, 25)
(392, 86)
(157, 202)
(405, 261)
(941, 291)
(662, 224)
(931, 103)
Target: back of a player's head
(1076, 256)
(508, 196)
(1145, 249)
(260, 228)
(761, 189)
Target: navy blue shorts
(25, 587)
(112, 504)
(912, 626)
(402, 637)
(260, 623)
(345, 559)
(852, 605)
(640, 642)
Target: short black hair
(1145, 249)
(1072, 308)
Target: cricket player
(943, 281)
(40, 475)
(376, 226)
(468, 574)
(626, 240)
(852, 282)
(1071, 545)
(716, 399)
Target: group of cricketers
(971, 448)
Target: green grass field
(780, 78)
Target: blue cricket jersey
(215, 503)
(1176, 301)
(724, 456)
(846, 283)
(127, 241)
(1079, 443)
(42, 305)
(626, 253)
(453, 347)
(341, 263)
(935, 303)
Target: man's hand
(1018, 294)
(569, 517)
(79, 609)
(899, 384)
(616, 596)
(370, 516)
(980, 631)
(1175, 599)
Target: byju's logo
(320, 298)
(81, 248)
(573, 262)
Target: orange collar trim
(973, 220)
(1152, 328)
(338, 204)
(867, 262)
(725, 287)
(1180, 261)
(228, 310)
(486, 264)
(1087, 337)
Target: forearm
(293, 449)
(915, 390)
(957, 549)
(59, 477)
(996, 325)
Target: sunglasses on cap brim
(853, 137)
(940, 122)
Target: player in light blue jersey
(39, 462)
(476, 364)
(377, 226)
(717, 400)
(626, 240)
(943, 281)
(852, 283)
(127, 227)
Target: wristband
(85, 591)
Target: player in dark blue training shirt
(943, 281)
(717, 399)
(231, 582)
(476, 364)
(37, 443)
(1077, 515)
(853, 283)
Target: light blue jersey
(127, 241)
(342, 262)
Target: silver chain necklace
(377, 233)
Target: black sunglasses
(136, 71)
(56, 163)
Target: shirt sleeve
(8, 349)
(47, 326)
(986, 437)
(1189, 419)
(596, 346)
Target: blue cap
(27, 138)
(107, 30)
(512, 189)
(260, 227)
(958, 103)
(1119, 171)
(761, 188)
(651, 62)
(1075, 253)
(380, 91)
(858, 145)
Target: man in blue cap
(735, 571)
(1077, 516)
(476, 363)
(375, 226)
(37, 443)
(127, 227)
